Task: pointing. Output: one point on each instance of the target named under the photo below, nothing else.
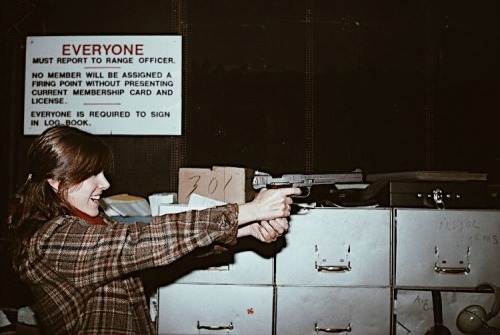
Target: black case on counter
(414, 189)
(435, 194)
(412, 194)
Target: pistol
(304, 181)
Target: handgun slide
(263, 179)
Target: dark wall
(310, 86)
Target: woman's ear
(54, 184)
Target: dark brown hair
(66, 154)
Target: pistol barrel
(262, 179)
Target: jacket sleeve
(90, 255)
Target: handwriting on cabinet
(470, 230)
(422, 302)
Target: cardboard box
(227, 184)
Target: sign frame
(106, 85)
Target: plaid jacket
(84, 277)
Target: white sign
(120, 85)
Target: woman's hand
(267, 213)
(265, 231)
(269, 204)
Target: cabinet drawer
(447, 248)
(314, 310)
(186, 309)
(245, 267)
(328, 246)
(414, 314)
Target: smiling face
(85, 196)
(72, 163)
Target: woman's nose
(103, 182)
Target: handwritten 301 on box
(223, 183)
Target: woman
(81, 266)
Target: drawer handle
(451, 270)
(332, 330)
(333, 268)
(230, 327)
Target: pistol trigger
(305, 191)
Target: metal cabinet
(220, 296)
(343, 270)
(332, 309)
(334, 274)
(189, 309)
(415, 311)
(245, 268)
(446, 248)
(334, 246)
(448, 252)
